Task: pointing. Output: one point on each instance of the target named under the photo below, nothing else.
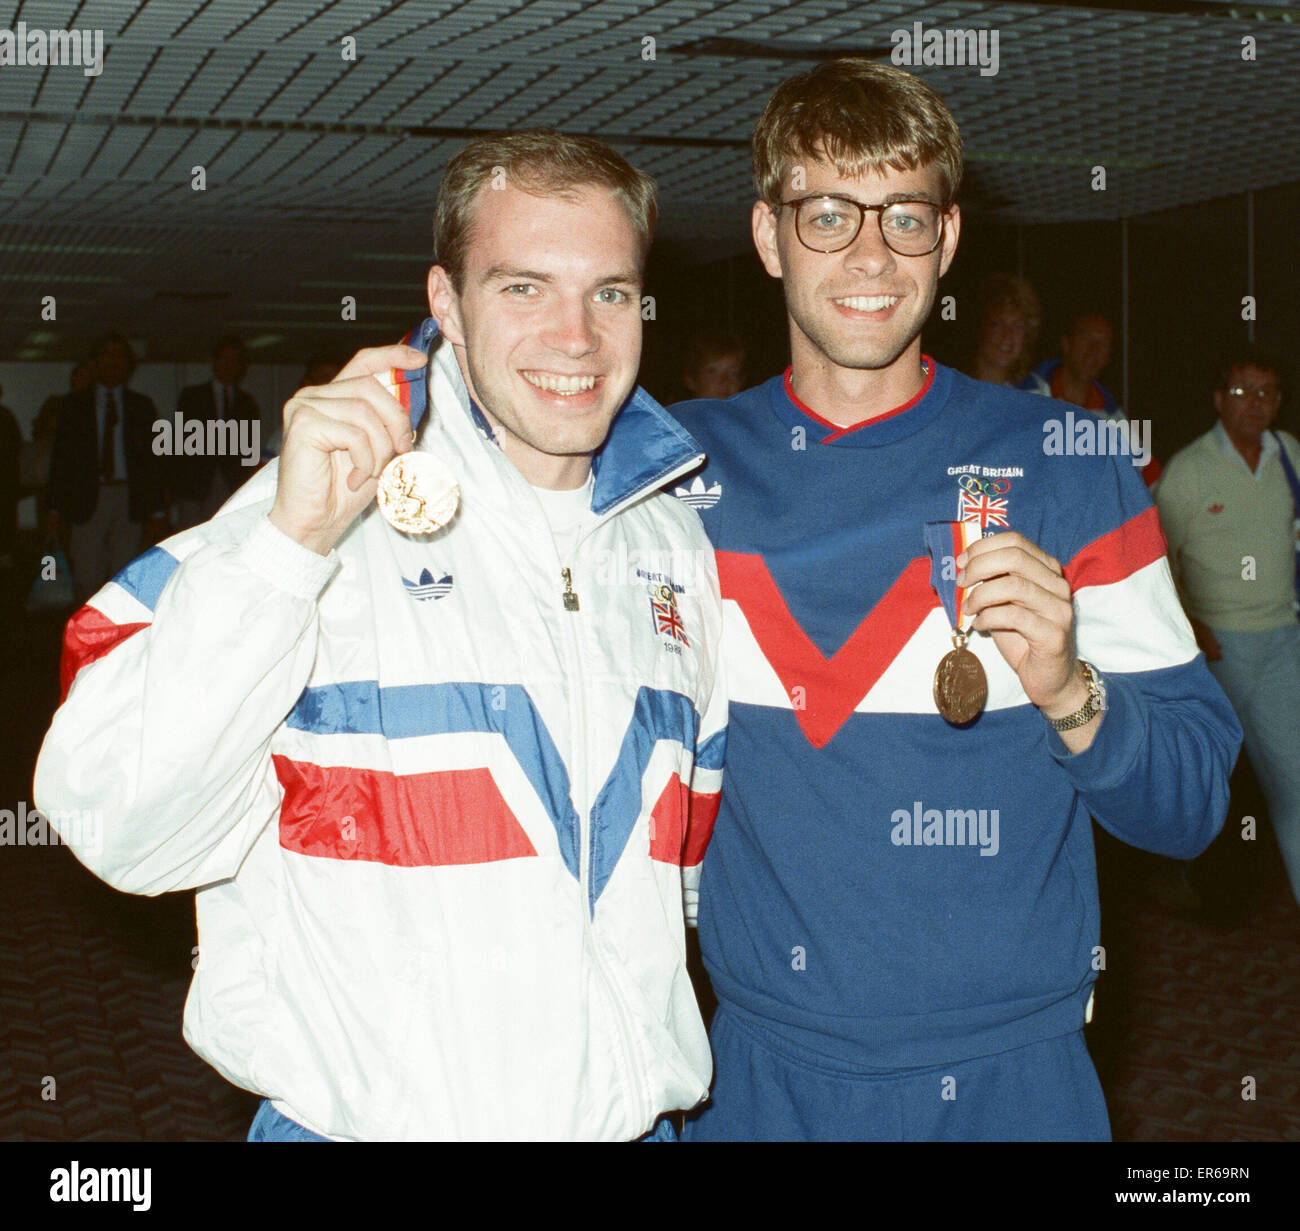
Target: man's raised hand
(337, 439)
(1021, 596)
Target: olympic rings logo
(984, 487)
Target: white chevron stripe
(1136, 624)
(120, 605)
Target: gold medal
(417, 493)
(960, 686)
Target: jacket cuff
(1109, 759)
(274, 556)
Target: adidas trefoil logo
(697, 495)
(426, 588)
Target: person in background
(1010, 316)
(201, 483)
(36, 452)
(106, 483)
(1085, 351)
(1229, 504)
(11, 439)
(320, 370)
(82, 376)
(713, 364)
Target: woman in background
(1010, 315)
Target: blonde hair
(540, 161)
(860, 116)
(999, 291)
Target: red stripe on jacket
(830, 688)
(454, 816)
(1117, 555)
(681, 824)
(90, 635)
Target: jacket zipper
(569, 598)
(586, 840)
(578, 764)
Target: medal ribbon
(945, 541)
(407, 385)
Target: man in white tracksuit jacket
(443, 797)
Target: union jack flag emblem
(666, 619)
(987, 510)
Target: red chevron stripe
(1119, 554)
(446, 817)
(673, 838)
(90, 635)
(833, 686)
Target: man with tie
(105, 482)
(201, 483)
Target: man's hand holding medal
(1010, 588)
(349, 441)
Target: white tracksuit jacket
(441, 827)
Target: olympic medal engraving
(417, 493)
(960, 687)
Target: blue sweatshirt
(884, 888)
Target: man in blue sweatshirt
(947, 643)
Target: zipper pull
(570, 598)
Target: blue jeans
(270, 1125)
(1260, 672)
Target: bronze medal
(960, 687)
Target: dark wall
(1187, 276)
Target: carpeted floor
(92, 982)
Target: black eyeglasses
(832, 223)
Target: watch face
(1096, 686)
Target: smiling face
(863, 307)
(1002, 338)
(547, 324)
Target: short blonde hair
(540, 161)
(860, 116)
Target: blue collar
(645, 446)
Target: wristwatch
(1094, 705)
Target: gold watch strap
(1090, 708)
